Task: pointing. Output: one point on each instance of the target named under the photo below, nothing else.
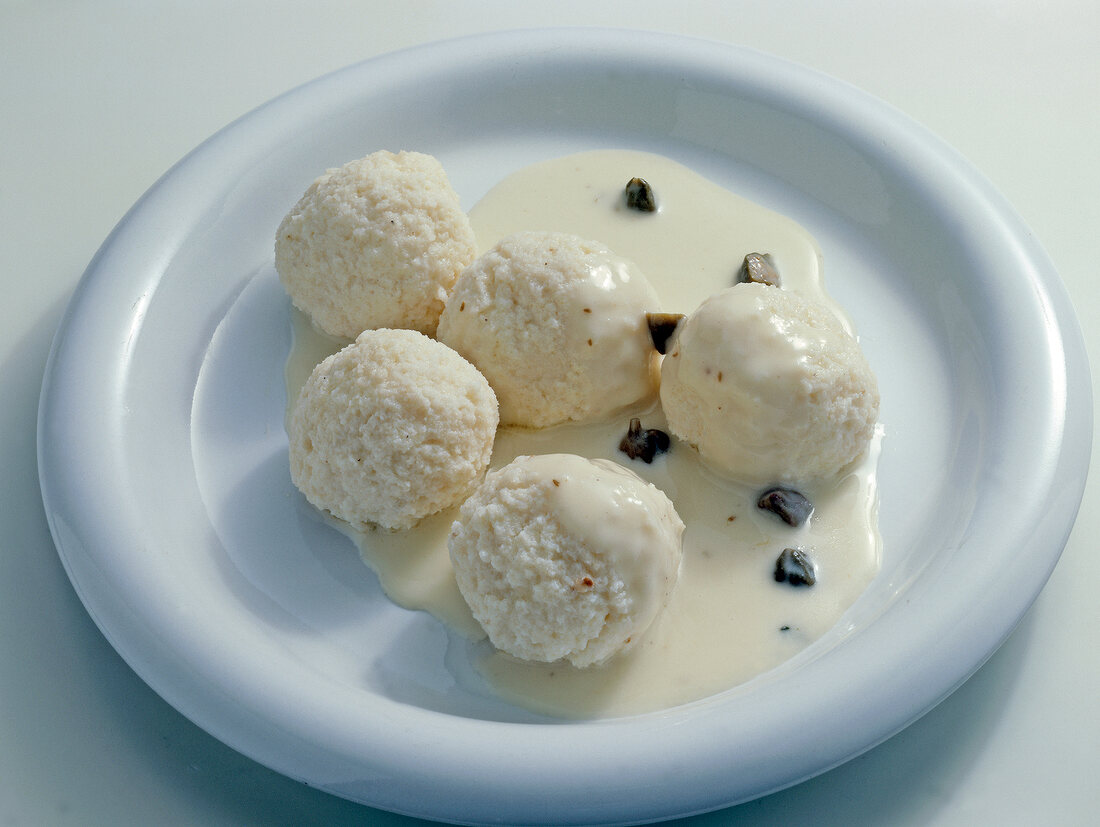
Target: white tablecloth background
(98, 99)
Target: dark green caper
(789, 505)
(639, 196)
(758, 268)
(661, 327)
(644, 445)
(794, 566)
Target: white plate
(163, 455)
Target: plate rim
(60, 497)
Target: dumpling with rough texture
(391, 429)
(563, 557)
(375, 243)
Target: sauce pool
(728, 620)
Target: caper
(787, 504)
(759, 268)
(793, 566)
(661, 327)
(643, 445)
(639, 196)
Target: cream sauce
(727, 620)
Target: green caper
(639, 196)
(759, 268)
(661, 327)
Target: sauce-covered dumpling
(769, 387)
(563, 557)
(557, 325)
